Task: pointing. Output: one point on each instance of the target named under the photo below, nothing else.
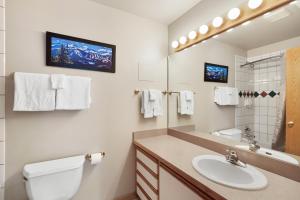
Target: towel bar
(137, 91)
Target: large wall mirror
(259, 106)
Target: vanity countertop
(179, 154)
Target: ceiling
(163, 11)
(279, 25)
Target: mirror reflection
(242, 87)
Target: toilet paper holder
(88, 156)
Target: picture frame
(215, 73)
(77, 53)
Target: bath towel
(33, 92)
(185, 102)
(57, 81)
(76, 94)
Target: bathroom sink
(273, 154)
(217, 169)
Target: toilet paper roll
(96, 158)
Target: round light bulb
(253, 4)
(217, 22)
(175, 44)
(234, 13)
(192, 35)
(203, 29)
(183, 40)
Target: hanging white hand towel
(147, 106)
(33, 92)
(156, 97)
(186, 103)
(57, 81)
(226, 96)
(76, 94)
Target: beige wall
(2, 97)
(278, 46)
(114, 113)
(186, 71)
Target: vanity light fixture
(217, 22)
(203, 29)
(192, 35)
(254, 4)
(234, 13)
(293, 2)
(175, 44)
(234, 17)
(246, 23)
(183, 40)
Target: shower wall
(262, 82)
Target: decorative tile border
(255, 94)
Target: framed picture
(215, 73)
(76, 53)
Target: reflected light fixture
(217, 22)
(229, 30)
(175, 44)
(234, 13)
(254, 4)
(246, 23)
(183, 40)
(215, 36)
(192, 35)
(203, 29)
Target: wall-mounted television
(71, 52)
(215, 73)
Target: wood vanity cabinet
(155, 181)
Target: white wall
(114, 114)
(278, 46)
(186, 71)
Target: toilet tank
(55, 179)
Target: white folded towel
(151, 103)
(186, 103)
(76, 94)
(147, 106)
(33, 92)
(57, 81)
(157, 103)
(226, 96)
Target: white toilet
(233, 134)
(55, 179)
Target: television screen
(71, 52)
(215, 73)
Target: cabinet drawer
(146, 188)
(148, 176)
(140, 194)
(147, 161)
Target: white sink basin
(217, 169)
(273, 154)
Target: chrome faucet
(253, 146)
(233, 158)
